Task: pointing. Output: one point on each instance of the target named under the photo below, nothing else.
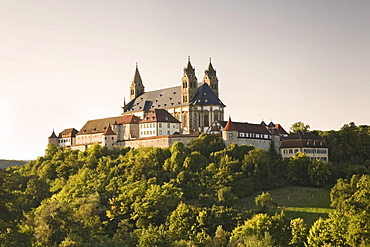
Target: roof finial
(188, 58)
(210, 59)
(124, 101)
(136, 64)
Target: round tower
(230, 133)
(53, 138)
(109, 138)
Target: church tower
(210, 78)
(137, 86)
(189, 83)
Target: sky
(65, 62)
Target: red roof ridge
(109, 131)
(230, 126)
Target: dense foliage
(177, 196)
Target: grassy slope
(303, 202)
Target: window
(206, 120)
(230, 135)
(160, 125)
(290, 151)
(160, 132)
(168, 132)
(168, 125)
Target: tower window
(206, 121)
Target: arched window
(206, 120)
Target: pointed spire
(109, 131)
(210, 70)
(124, 101)
(230, 126)
(136, 80)
(53, 135)
(189, 66)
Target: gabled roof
(280, 130)
(159, 115)
(303, 139)
(129, 119)
(158, 99)
(109, 131)
(171, 97)
(247, 127)
(98, 125)
(205, 96)
(71, 132)
(300, 135)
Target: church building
(196, 105)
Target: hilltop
(9, 163)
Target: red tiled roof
(109, 131)
(214, 128)
(230, 126)
(247, 127)
(129, 119)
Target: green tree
(155, 237)
(299, 232)
(319, 172)
(206, 144)
(264, 200)
(299, 126)
(181, 222)
(297, 169)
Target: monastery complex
(162, 117)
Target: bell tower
(137, 86)
(189, 83)
(210, 78)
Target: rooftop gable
(247, 127)
(159, 115)
(97, 126)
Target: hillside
(201, 195)
(8, 163)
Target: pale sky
(65, 62)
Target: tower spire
(137, 86)
(210, 77)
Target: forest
(185, 195)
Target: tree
(155, 237)
(319, 172)
(297, 169)
(181, 221)
(206, 144)
(299, 232)
(264, 200)
(299, 126)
